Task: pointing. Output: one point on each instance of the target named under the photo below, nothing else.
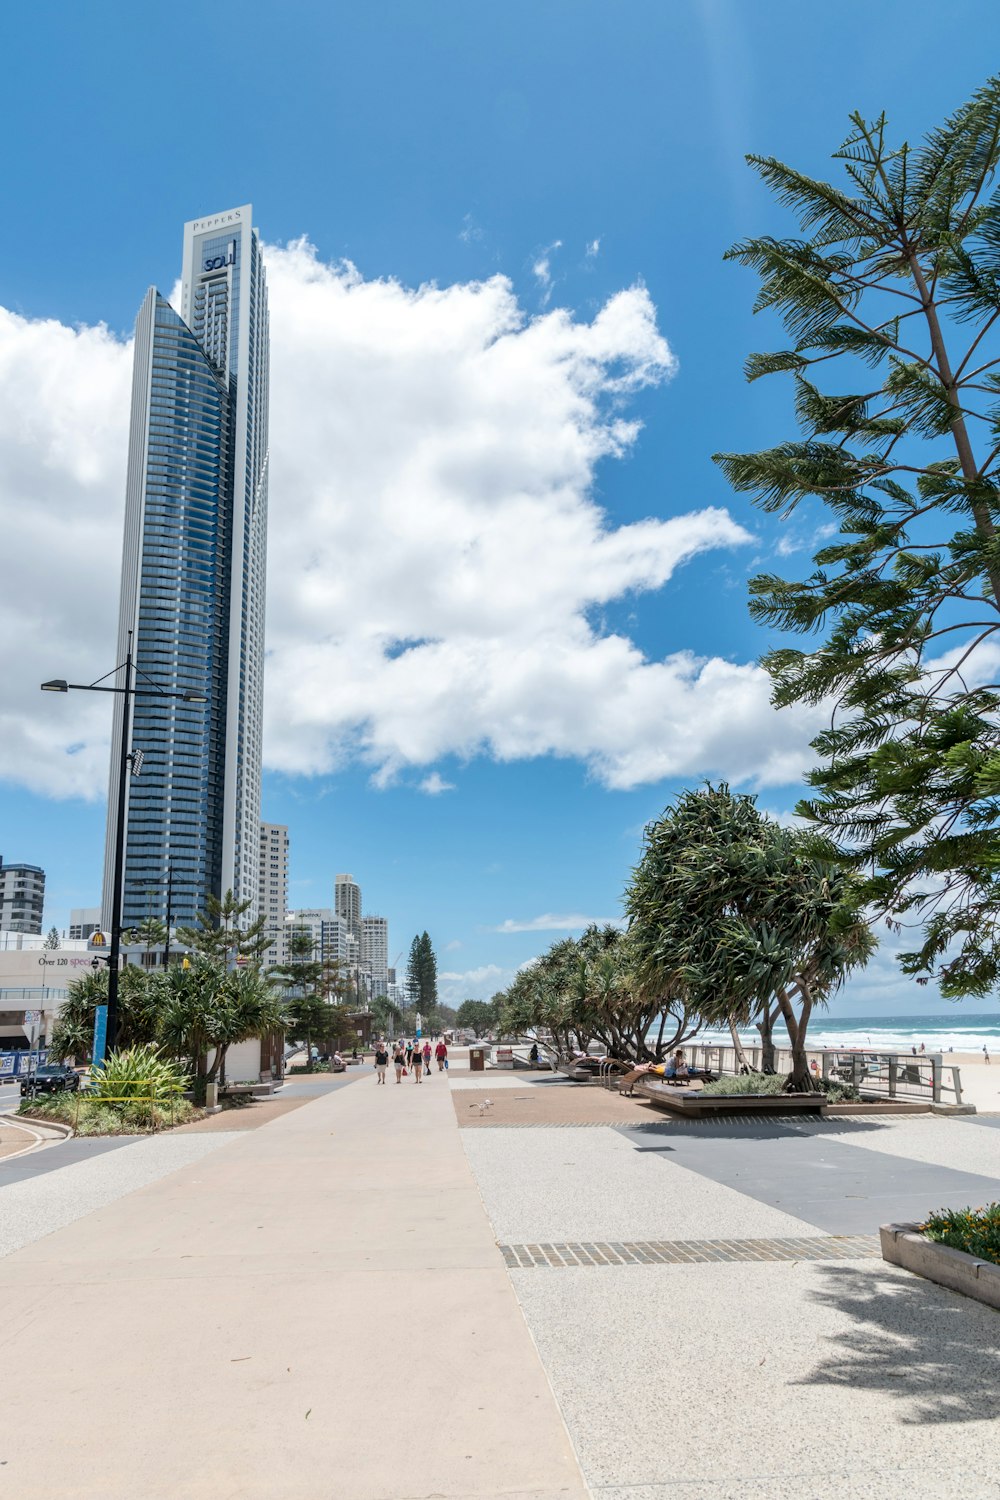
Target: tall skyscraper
(193, 579)
(347, 904)
(273, 903)
(375, 952)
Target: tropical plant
(587, 989)
(52, 938)
(743, 918)
(206, 1010)
(138, 1011)
(894, 282)
(141, 1072)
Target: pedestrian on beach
(418, 1060)
(381, 1060)
(409, 1051)
(986, 1052)
(427, 1057)
(399, 1061)
(441, 1053)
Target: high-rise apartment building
(193, 577)
(347, 903)
(22, 897)
(375, 952)
(273, 898)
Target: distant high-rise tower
(347, 904)
(375, 952)
(193, 575)
(273, 902)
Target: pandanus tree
(585, 989)
(138, 1011)
(749, 920)
(893, 285)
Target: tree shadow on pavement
(934, 1349)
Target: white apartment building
(328, 932)
(347, 903)
(83, 921)
(375, 953)
(273, 892)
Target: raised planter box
(694, 1102)
(904, 1245)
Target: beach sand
(980, 1080)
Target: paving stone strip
(687, 1252)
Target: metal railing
(921, 1078)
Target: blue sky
(578, 149)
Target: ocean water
(952, 1031)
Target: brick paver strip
(680, 1252)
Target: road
(10, 1096)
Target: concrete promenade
(314, 1308)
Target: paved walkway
(714, 1319)
(314, 1308)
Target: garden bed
(93, 1116)
(916, 1248)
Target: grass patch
(974, 1230)
(94, 1116)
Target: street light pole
(129, 759)
(119, 870)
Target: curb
(37, 1129)
(904, 1245)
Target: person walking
(441, 1053)
(986, 1052)
(381, 1060)
(418, 1060)
(399, 1061)
(409, 1051)
(427, 1058)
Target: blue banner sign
(100, 1034)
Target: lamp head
(193, 696)
(57, 685)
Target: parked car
(52, 1078)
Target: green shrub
(139, 1073)
(90, 1115)
(974, 1230)
(839, 1093)
(748, 1083)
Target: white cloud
(434, 785)
(593, 249)
(542, 270)
(473, 984)
(551, 923)
(435, 553)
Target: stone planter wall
(903, 1245)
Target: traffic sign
(31, 1016)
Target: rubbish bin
(477, 1059)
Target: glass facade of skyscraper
(193, 578)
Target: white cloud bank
(551, 922)
(435, 558)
